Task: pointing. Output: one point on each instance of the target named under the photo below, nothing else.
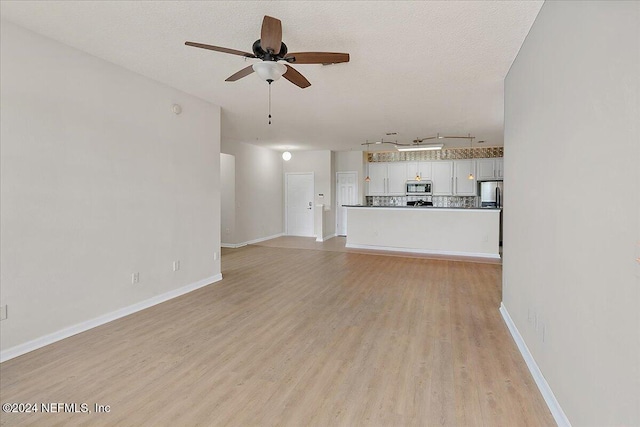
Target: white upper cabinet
(387, 179)
(463, 185)
(442, 173)
(500, 168)
(396, 178)
(450, 177)
(490, 169)
(422, 169)
(378, 176)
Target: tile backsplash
(438, 201)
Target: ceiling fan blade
(271, 35)
(240, 74)
(221, 49)
(296, 78)
(317, 57)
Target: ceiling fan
(275, 56)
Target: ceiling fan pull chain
(270, 102)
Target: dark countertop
(422, 207)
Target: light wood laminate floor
(297, 337)
(339, 244)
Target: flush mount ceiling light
(286, 156)
(421, 147)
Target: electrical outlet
(135, 278)
(176, 265)
(3, 312)
(215, 256)
(485, 238)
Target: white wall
(572, 230)
(320, 163)
(99, 179)
(258, 192)
(227, 198)
(352, 161)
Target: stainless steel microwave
(419, 188)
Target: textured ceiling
(417, 68)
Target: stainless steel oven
(419, 188)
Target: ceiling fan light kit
(269, 71)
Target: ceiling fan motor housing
(259, 52)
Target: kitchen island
(468, 232)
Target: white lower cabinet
(463, 186)
(442, 173)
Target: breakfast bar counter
(471, 232)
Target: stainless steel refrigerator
(491, 194)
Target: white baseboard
(423, 251)
(541, 382)
(37, 343)
(250, 242)
(262, 239)
(325, 238)
(232, 245)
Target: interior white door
(299, 204)
(346, 194)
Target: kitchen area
(444, 202)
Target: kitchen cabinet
(378, 179)
(424, 169)
(500, 168)
(387, 179)
(463, 185)
(442, 177)
(490, 169)
(396, 178)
